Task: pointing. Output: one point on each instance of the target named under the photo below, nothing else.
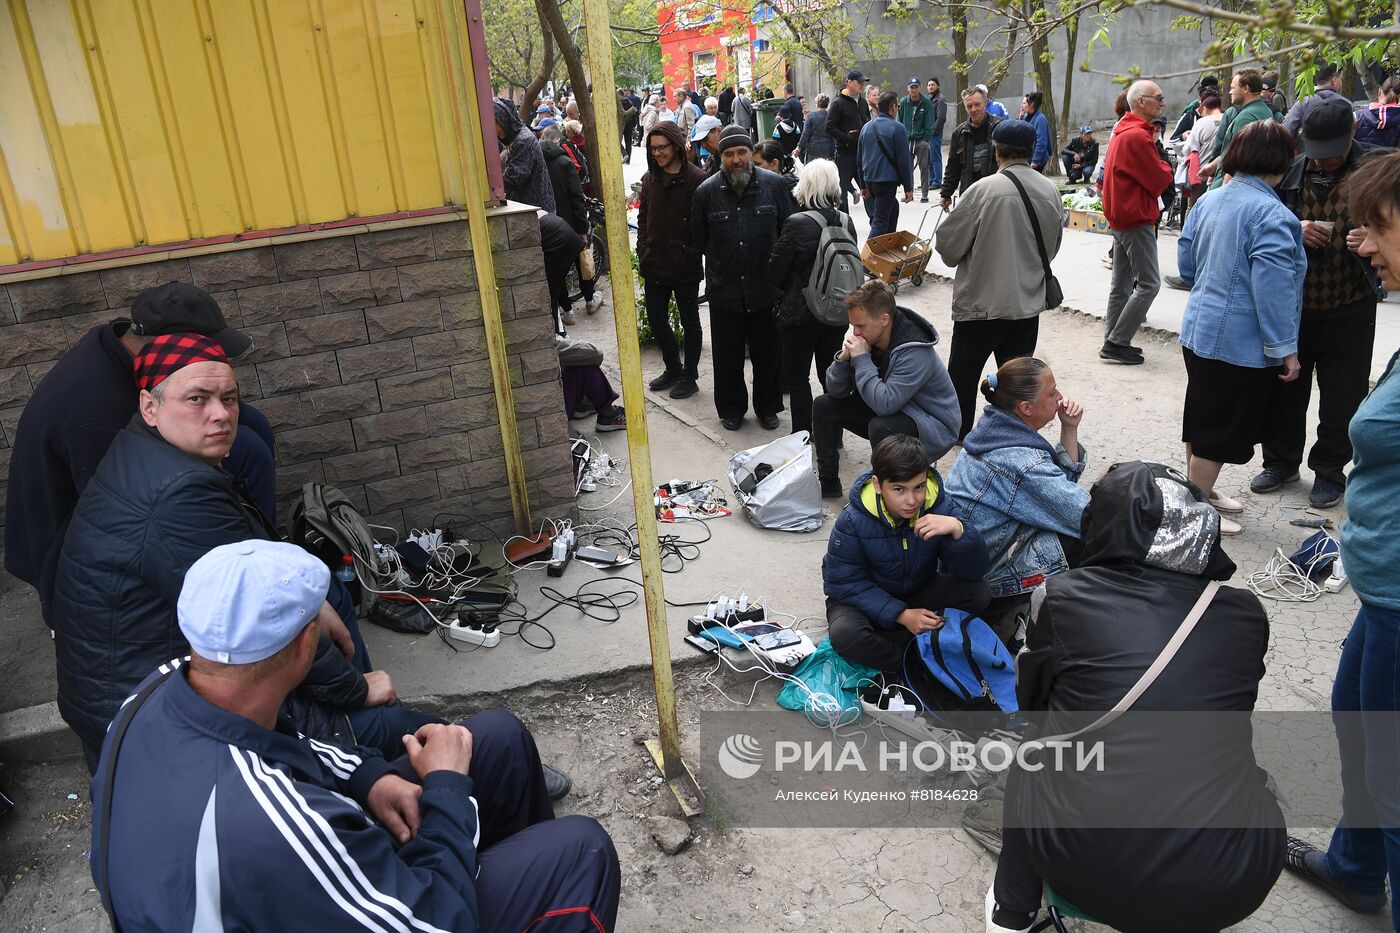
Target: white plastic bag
(789, 498)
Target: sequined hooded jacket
(1150, 547)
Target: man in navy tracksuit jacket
(211, 813)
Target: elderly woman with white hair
(805, 339)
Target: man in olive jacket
(735, 220)
(667, 256)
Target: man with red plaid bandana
(158, 501)
(84, 401)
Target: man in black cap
(81, 405)
(1338, 328)
(734, 220)
(844, 119)
(996, 304)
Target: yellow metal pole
(466, 119)
(608, 157)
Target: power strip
(473, 636)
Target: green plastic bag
(825, 671)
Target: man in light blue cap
(211, 811)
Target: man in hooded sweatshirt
(667, 258)
(887, 379)
(522, 162)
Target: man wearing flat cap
(734, 220)
(997, 304)
(211, 811)
(157, 502)
(84, 402)
(1338, 329)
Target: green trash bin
(767, 113)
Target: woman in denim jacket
(1021, 493)
(1241, 252)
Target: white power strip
(473, 636)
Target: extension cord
(1338, 580)
(473, 636)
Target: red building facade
(709, 42)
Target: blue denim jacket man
(1242, 253)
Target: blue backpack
(966, 656)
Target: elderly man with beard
(734, 221)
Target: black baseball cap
(1327, 127)
(855, 75)
(180, 308)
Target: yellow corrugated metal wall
(136, 122)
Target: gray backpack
(836, 272)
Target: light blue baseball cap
(242, 603)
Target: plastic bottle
(345, 573)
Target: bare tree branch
(1226, 66)
(1321, 31)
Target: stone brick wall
(369, 358)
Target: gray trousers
(919, 149)
(1136, 282)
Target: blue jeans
(1367, 845)
(935, 154)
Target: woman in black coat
(1177, 831)
(804, 339)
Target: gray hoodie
(909, 377)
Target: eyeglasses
(664, 147)
(1157, 97)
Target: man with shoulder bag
(996, 305)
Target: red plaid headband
(159, 359)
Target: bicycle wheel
(600, 253)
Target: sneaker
(923, 200)
(832, 488)
(556, 783)
(1308, 861)
(1325, 493)
(664, 381)
(732, 424)
(584, 411)
(568, 318)
(1271, 478)
(615, 420)
(1001, 920)
(593, 304)
(684, 389)
(1114, 353)
(1175, 281)
(768, 422)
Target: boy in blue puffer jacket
(899, 555)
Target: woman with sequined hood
(1177, 830)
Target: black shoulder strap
(880, 141)
(1035, 225)
(106, 788)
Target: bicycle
(597, 242)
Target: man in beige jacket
(999, 289)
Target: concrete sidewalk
(586, 689)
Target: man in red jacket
(1135, 175)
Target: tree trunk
(959, 17)
(573, 60)
(532, 90)
(1044, 79)
(1072, 49)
